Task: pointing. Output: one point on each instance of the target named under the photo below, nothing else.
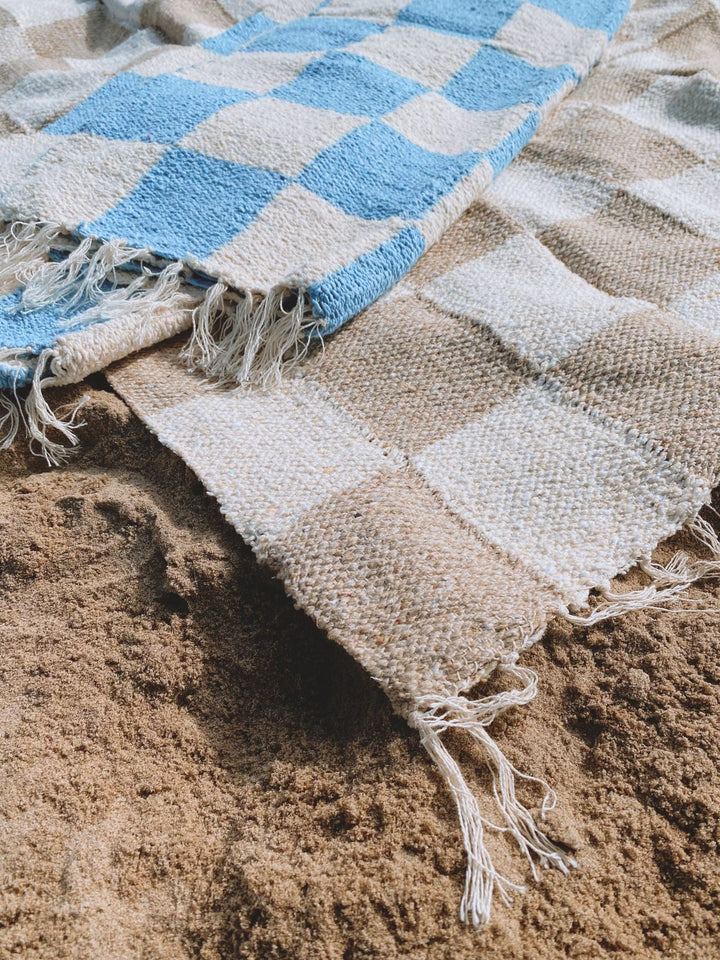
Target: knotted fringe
(669, 583)
(90, 272)
(435, 715)
(238, 337)
(34, 413)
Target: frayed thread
(432, 717)
(239, 338)
(669, 583)
(33, 412)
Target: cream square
(422, 55)
(270, 133)
(546, 39)
(529, 299)
(281, 11)
(380, 11)
(309, 448)
(686, 109)
(691, 197)
(573, 498)
(436, 124)
(31, 13)
(258, 72)
(82, 177)
(298, 238)
(172, 58)
(539, 196)
(701, 304)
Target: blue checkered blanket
(286, 171)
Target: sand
(192, 770)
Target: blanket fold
(268, 181)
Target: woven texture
(530, 412)
(307, 150)
(523, 416)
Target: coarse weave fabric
(525, 416)
(293, 159)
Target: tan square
(659, 375)
(606, 147)
(386, 366)
(694, 36)
(421, 602)
(483, 227)
(629, 249)
(84, 37)
(173, 17)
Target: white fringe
(432, 717)
(24, 248)
(668, 583)
(239, 339)
(34, 413)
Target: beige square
(298, 238)
(571, 497)
(436, 124)
(386, 365)
(425, 56)
(82, 177)
(630, 249)
(538, 308)
(482, 228)
(657, 374)
(419, 600)
(88, 36)
(237, 440)
(591, 142)
(258, 72)
(546, 39)
(269, 133)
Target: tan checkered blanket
(523, 417)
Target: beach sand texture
(192, 770)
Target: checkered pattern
(527, 414)
(230, 145)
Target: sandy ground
(191, 770)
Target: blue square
(316, 33)
(493, 80)
(592, 14)
(349, 84)
(162, 109)
(374, 172)
(189, 204)
(231, 40)
(477, 19)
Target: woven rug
(523, 416)
(265, 179)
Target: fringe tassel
(34, 413)
(432, 717)
(237, 338)
(668, 583)
(24, 248)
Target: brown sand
(190, 769)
